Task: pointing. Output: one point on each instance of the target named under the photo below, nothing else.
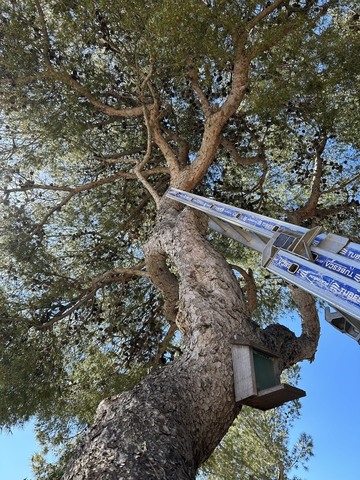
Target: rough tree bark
(171, 422)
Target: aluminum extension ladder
(325, 265)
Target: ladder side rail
(329, 268)
(337, 263)
(261, 224)
(316, 280)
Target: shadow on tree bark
(169, 424)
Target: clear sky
(330, 414)
(330, 410)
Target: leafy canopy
(103, 103)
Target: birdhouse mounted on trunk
(257, 377)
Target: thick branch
(216, 122)
(205, 104)
(159, 139)
(156, 261)
(294, 349)
(309, 209)
(310, 324)
(183, 147)
(250, 287)
(165, 281)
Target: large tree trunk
(171, 422)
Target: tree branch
(165, 343)
(205, 104)
(153, 123)
(68, 80)
(310, 324)
(282, 340)
(46, 40)
(230, 147)
(264, 13)
(309, 209)
(215, 122)
(87, 186)
(281, 32)
(183, 147)
(146, 159)
(250, 287)
(342, 185)
(116, 275)
(122, 157)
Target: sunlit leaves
(72, 207)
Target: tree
(257, 445)
(104, 105)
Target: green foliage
(258, 446)
(73, 209)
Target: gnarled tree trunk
(171, 422)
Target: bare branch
(281, 32)
(21, 80)
(68, 80)
(51, 74)
(230, 147)
(250, 287)
(284, 29)
(310, 324)
(152, 120)
(309, 209)
(85, 187)
(165, 343)
(264, 13)
(37, 186)
(46, 40)
(146, 159)
(183, 146)
(139, 208)
(117, 275)
(342, 185)
(121, 157)
(340, 208)
(205, 104)
(214, 124)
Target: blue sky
(330, 409)
(329, 414)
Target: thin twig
(112, 276)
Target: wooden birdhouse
(257, 377)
